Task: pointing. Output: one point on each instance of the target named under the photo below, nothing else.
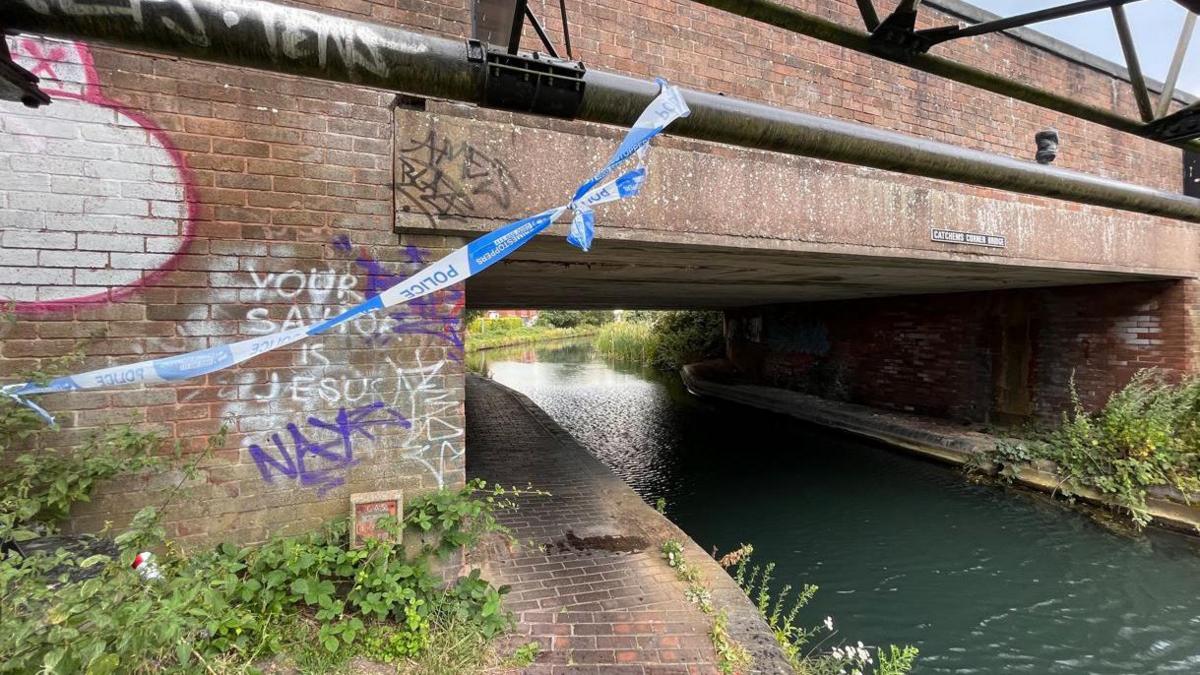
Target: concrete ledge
(923, 436)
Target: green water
(981, 579)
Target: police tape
(454, 268)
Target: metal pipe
(264, 35)
(797, 21)
(870, 17)
(1185, 36)
(260, 34)
(617, 99)
(1140, 93)
(1048, 14)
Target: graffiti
(438, 314)
(435, 440)
(797, 335)
(179, 17)
(442, 178)
(323, 464)
(324, 376)
(98, 201)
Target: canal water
(981, 579)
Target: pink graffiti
(69, 76)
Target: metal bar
(541, 32)
(260, 34)
(1019, 20)
(1185, 36)
(870, 17)
(562, 10)
(1140, 93)
(514, 35)
(797, 21)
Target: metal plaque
(971, 238)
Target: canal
(981, 579)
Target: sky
(1155, 25)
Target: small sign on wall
(366, 510)
(970, 238)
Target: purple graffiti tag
(437, 314)
(333, 457)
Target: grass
(627, 341)
(524, 335)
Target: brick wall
(162, 205)
(704, 48)
(158, 207)
(953, 355)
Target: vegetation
(1147, 435)
(483, 333)
(308, 602)
(731, 656)
(781, 613)
(564, 318)
(664, 340)
(627, 341)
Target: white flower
(829, 623)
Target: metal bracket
(897, 38)
(16, 83)
(530, 83)
(1181, 125)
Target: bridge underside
(639, 275)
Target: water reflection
(983, 580)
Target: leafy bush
(484, 325)
(227, 605)
(561, 318)
(687, 336)
(39, 484)
(1147, 435)
(672, 340)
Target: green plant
(781, 614)
(683, 337)
(673, 339)
(897, 660)
(524, 655)
(1146, 435)
(560, 318)
(460, 517)
(731, 656)
(627, 341)
(228, 605)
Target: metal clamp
(531, 83)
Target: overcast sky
(1155, 25)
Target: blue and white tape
(456, 267)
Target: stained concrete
(723, 226)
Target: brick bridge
(162, 205)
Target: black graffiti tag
(443, 178)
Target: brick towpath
(597, 594)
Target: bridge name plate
(971, 238)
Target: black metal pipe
(617, 99)
(260, 34)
